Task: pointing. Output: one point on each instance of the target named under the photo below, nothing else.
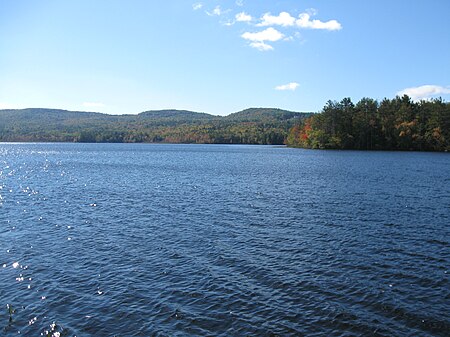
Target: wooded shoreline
(392, 124)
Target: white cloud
(257, 39)
(283, 19)
(217, 11)
(424, 92)
(269, 34)
(290, 86)
(243, 17)
(261, 46)
(304, 21)
(93, 105)
(197, 6)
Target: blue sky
(217, 56)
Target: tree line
(392, 124)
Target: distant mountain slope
(260, 114)
(53, 115)
(175, 114)
(254, 126)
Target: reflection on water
(176, 240)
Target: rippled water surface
(211, 240)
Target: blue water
(212, 240)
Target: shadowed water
(201, 240)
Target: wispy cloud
(311, 11)
(93, 105)
(290, 86)
(197, 6)
(283, 19)
(4, 105)
(258, 39)
(424, 92)
(217, 11)
(243, 17)
(304, 21)
(288, 25)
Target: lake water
(212, 240)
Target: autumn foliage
(393, 124)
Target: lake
(217, 240)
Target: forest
(251, 126)
(392, 124)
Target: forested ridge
(392, 124)
(250, 126)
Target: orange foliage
(304, 132)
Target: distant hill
(261, 114)
(175, 114)
(250, 126)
